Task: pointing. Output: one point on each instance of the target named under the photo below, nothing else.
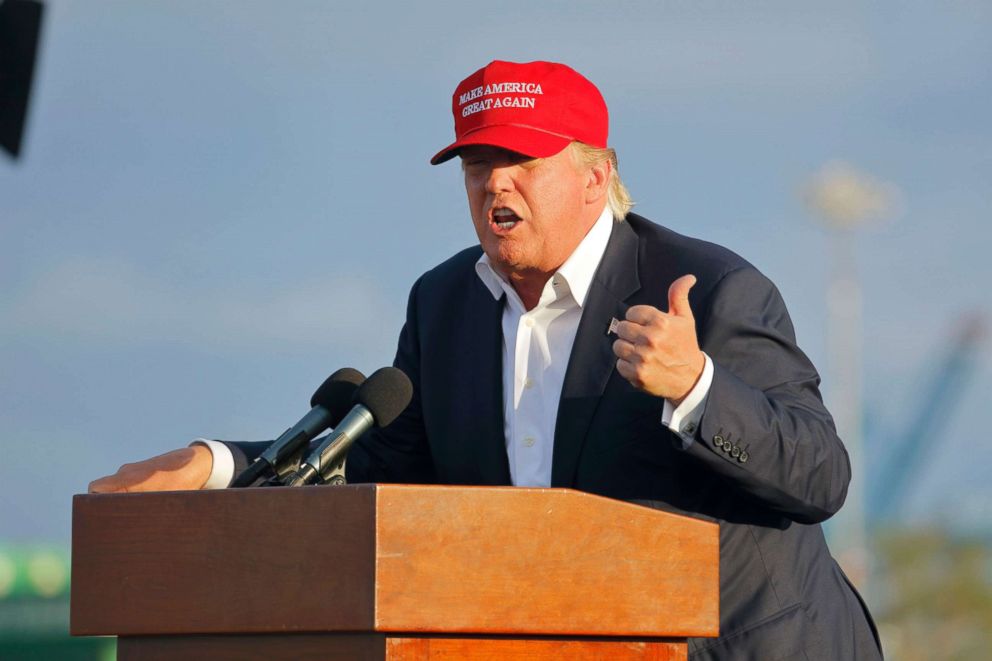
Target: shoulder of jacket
(693, 255)
(454, 272)
(458, 264)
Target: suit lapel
(592, 360)
(483, 410)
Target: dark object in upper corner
(20, 27)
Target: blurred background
(215, 204)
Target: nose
(500, 179)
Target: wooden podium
(390, 572)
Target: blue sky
(219, 203)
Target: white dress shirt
(536, 347)
(537, 344)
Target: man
(583, 346)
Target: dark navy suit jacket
(766, 462)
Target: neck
(529, 283)
(529, 286)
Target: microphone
(378, 401)
(330, 402)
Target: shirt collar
(577, 271)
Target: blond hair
(618, 197)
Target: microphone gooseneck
(329, 403)
(378, 401)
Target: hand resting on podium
(179, 470)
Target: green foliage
(935, 595)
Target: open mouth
(504, 219)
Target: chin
(502, 253)
(509, 260)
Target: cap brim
(520, 139)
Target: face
(530, 214)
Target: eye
(475, 165)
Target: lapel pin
(612, 328)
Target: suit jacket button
(718, 441)
(744, 457)
(735, 452)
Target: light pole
(846, 200)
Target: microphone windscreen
(337, 393)
(385, 394)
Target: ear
(598, 181)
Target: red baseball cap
(533, 108)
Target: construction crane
(906, 453)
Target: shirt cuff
(684, 419)
(223, 469)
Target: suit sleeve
(765, 427)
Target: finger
(623, 349)
(643, 314)
(109, 484)
(629, 372)
(678, 296)
(630, 331)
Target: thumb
(678, 296)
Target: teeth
(504, 218)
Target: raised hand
(658, 351)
